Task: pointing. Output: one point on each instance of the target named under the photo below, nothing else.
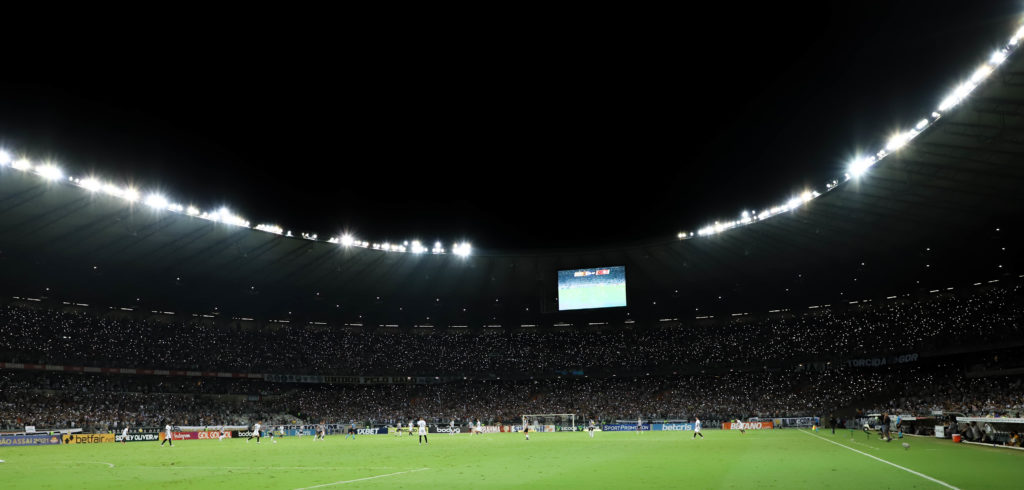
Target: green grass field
(592, 297)
(725, 459)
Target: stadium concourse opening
(365, 323)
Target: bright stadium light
(277, 230)
(921, 124)
(981, 73)
(192, 211)
(860, 165)
(90, 184)
(130, 194)
(417, 247)
(156, 201)
(997, 57)
(347, 240)
(22, 164)
(898, 140)
(49, 172)
(462, 249)
(5, 158)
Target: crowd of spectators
(102, 402)
(987, 315)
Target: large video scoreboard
(599, 287)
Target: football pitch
(724, 459)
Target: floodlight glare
(860, 165)
(981, 73)
(5, 158)
(156, 201)
(131, 194)
(462, 249)
(347, 240)
(49, 172)
(91, 184)
(921, 124)
(22, 164)
(997, 57)
(192, 211)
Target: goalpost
(563, 421)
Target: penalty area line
(908, 470)
(342, 482)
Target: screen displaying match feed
(600, 287)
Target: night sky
(539, 133)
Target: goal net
(550, 422)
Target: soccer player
(124, 435)
(222, 434)
(423, 431)
(167, 429)
(410, 427)
(479, 427)
(696, 428)
(740, 425)
(526, 430)
(351, 431)
(451, 427)
(639, 426)
(255, 432)
(590, 428)
(322, 429)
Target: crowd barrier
(747, 425)
(138, 437)
(624, 427)
(29, 440)
(87, 438)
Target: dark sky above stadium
(541, 132)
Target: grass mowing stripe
(908, 470)
(361, 479)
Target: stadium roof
(925, 216)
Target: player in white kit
(479, 427)
(410, 427)
(167, 439)
(124, 435)
(696, 429)
(451, 427)
(590, 428)
(639, 425)
(255, 433)
(423, 431)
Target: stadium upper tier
(976, 319)
(953, 187)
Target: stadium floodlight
(347, 240)
(860, 165)
(462, 249)
(997, 57)
(156, 201)
(981, 73)
(417, 247)
(131, 194)
(5, 158)
(277, 230)
(192, 211)
(898, 140)
(49, 172)
(921, 124)
(91, 184)
(22, 164)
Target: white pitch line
(96, 462)
(264, 468)
(361, 479)
(908, 470)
